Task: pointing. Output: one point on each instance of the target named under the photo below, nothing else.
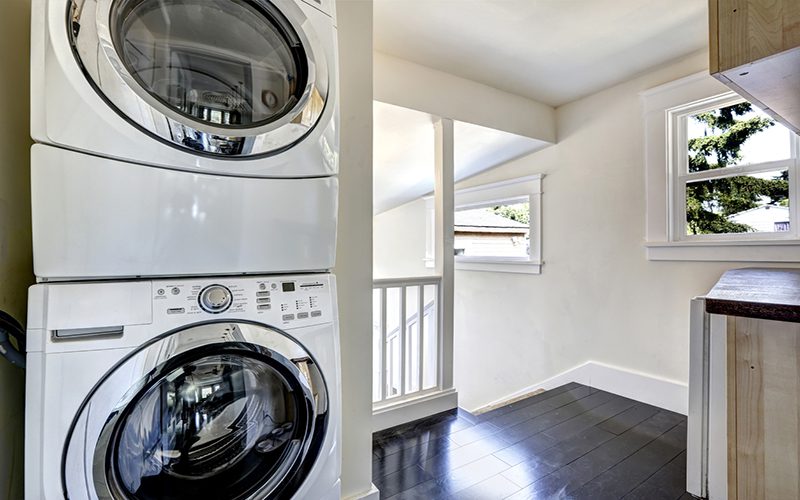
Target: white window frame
(528, 188)
(665, 113)
(680, 176)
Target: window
(497, 227)
(732, 167)
(721, 176)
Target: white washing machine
(184, 388)
(230, 87)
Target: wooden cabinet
(762, 374)
(755, 49)
(763, 409)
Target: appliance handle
(84, 333)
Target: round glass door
(224, 63)
(223, 77)
(235, 419)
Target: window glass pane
(740, 134)
(496, 231)
(740, 204)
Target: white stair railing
(406, 339)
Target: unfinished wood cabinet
(755, 49)
(763, 409)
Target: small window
(732, 169)
(496, 227)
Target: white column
(443, 201)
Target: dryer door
(219, 410)
(230, 78)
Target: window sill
(725, 251)
(499, 266)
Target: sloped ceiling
(404, 153)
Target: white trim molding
(726, 251)
(412, 409)
(372, 494)
(646, 388)
(664, 108)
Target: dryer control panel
(283, 301)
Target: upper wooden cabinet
(755, 49)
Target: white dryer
(183, 137)
(230, 87)
(184, 389)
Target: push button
(288, 317)
(316, 314)
(264, 307)
(302, 315)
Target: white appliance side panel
(70, 113)
(93, 217)
(68, 378)
(696, 434)
(34, 425)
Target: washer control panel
(284, 301)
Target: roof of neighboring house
(764, 218)
(776, 211)
(482, 220)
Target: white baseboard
(372, 494)
(650, 389)
(414, 409)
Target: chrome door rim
(262, 140)
(315, 393)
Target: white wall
(354, 254)
(411, 85)
(16, 269)
(598, 298)
(399, 242)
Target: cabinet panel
(749, 30)
(755, 49)
(764, 409)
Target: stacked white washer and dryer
(183, 336)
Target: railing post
(420, 333)
(444, 203)
(384, 379)
(402, 341)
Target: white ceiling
(552, 51)
(404, 153)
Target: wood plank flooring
(572, 442)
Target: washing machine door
(219, 410)
(228, 78)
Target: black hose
(9, 327)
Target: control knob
(215, 299)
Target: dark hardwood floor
(571, 442)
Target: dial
(215, 299)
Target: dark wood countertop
(757, 293)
